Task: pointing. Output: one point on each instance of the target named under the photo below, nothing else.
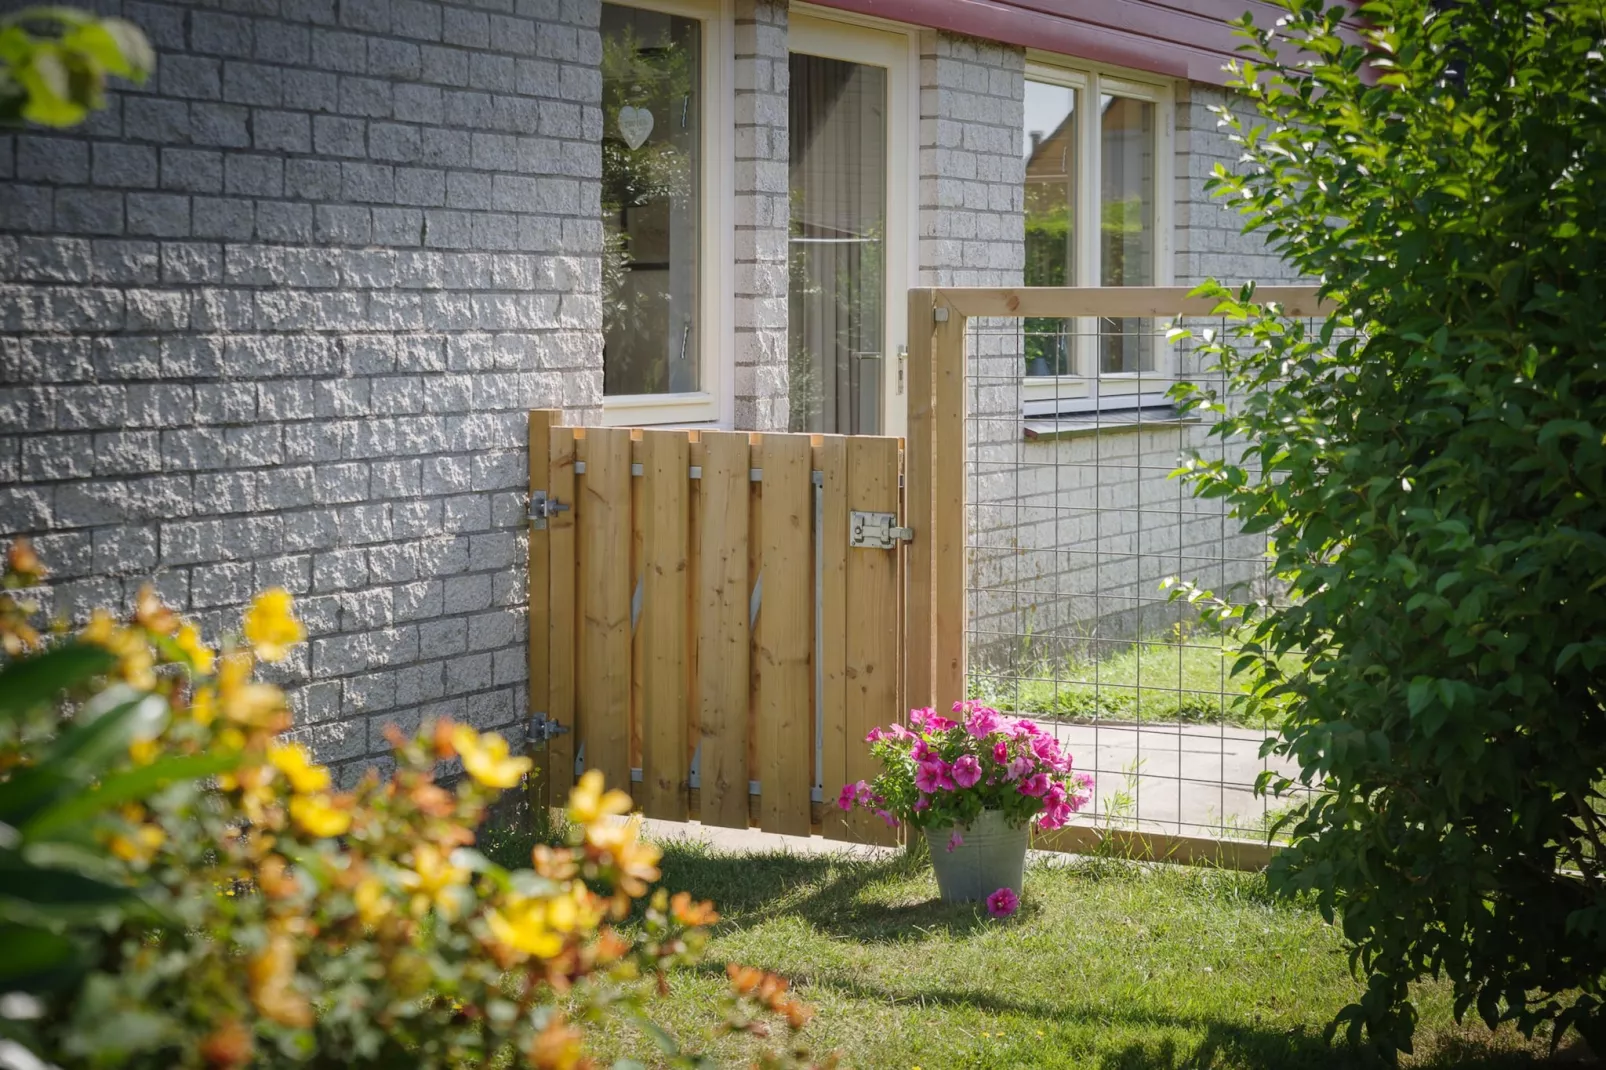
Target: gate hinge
(542, 728)
(543, 508)
(877, 531)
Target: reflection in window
(651, 179)
(1051, 161)
(1126, 224)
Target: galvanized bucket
(992, 856)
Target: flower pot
(992, 856)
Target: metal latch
(876, 531)
(543, 508)
(542, 728)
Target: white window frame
(1049, 395)
(714, 401)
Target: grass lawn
(1186, 682)
(1106, 965)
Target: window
(662, 253)
(1096, 152)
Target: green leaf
(135, 784)
(34, 681)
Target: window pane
(1126, 224)
(651, 184)
(838, 140)
(1049, 146)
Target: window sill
(1107, 422)
(654, 410)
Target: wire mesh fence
(1075, 528)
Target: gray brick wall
(275, 319)
(762, 215)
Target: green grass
(1107, 965)
(1155, 680)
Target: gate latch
(542, 728)
(876, 531)
(542, 508)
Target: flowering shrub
(270, 919)
(945, 771)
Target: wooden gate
(701, 629)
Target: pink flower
(892, 822)
(920, 717)
(1055, 794)
(1047, 749)
(1024, 728)
(1055, 815)
(1036, 784)
(1020, 767)
(1002, 903)
(983, 722)
(922, 751)
(966, 771)
(955, 840)
(922, 802)
(1001, 752)
(930, 775)
(844, 801)
(875, 736)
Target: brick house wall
(275, 318)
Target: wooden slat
(785, 636)
(563, 616)
(661, 629)
(872, 622)
(948, 511)
(918, 599)
(723, 638)
(838, 741)
(603, 687)
(1161, 302)
(637, 537)
(1157, 847)
(539, 576)
(755, 567)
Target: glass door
(848, 245)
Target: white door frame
(833, 35)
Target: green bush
(1429, 468)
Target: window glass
(651, 186)
(1051, 155)
(1126, 224)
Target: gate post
(537, 741)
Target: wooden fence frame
(934, 474)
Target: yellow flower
(522, 926)
(485, 758)
(588, 804)
(370, 899)
(203, 706)
(305, 775)
(637, 861)
(272, 976)
(432, 880)
(144, 751)
(140, 846)
(244, 701)
(318, 816)
(136, 664)
(271, 626)
(201, 656)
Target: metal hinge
(543, 508)
(542, 728)
(876, 531)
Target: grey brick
(26, 208)
(282, 131)
(343, 224)
(284, 222)
(163, 24)
(365, 96)
(393, 141)
(316, 180)
(224, 403)
(82, 211)
(186, 76)
(343, 52)
(317, 91)
(394, 59)
(466, 674)
(51, 457)
(444, 66)
(398, 226)
(192, 357)
(159, 215)
(221, 585)
(53, 259)
(223, 125)
(253, 83)
(281, 42)
(117, 164)
(254, 176)
(226, 492)
(122, 551)
(337, 136)
(192, 170)
(185, 262)
(365, 15)
(221, 217)
(368, 182)
(157, 310)
(57, 160)
(125, 357)
(166, 122)
(219, 34)
(319, 12)
(417, 19)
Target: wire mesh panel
(1076, 533)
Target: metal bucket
(992, 856)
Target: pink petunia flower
(922, 802)
(892, 821)
(919, 717)
(1002, 903)
(1001, 752)
(844, 801)
(983, 723)
(1036, 785)
(955, 840)
(1021, 766)
(966, 771)
(929, 776)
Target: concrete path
(1192, 780)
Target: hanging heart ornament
(634, 125)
